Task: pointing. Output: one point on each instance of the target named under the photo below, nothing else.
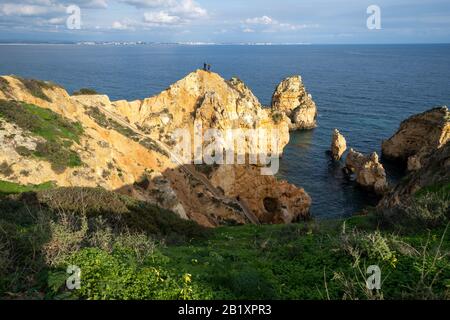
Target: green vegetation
(277, 117)
(4, 85)
(102, 120)
(35, 87)
(7, 187)
(428, 207)
(127, 249)
(115, 240)
(58, 133)
(85, 91)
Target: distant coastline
(140, 43)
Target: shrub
(277, 117)
(58, 133)
(35, 87)
(5, 169)
(67, 233)
(427, 208)
(120, 276)
(85, 91)
(4, 84)
(120, 211)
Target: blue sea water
(363, 90)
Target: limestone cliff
(125, 146)
(291, 99)
(418, 136)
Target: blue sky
(282, 21)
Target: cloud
(188, 9)
(161, 18)
(268, 24)
(149, 3)
(264, 20)
(24, 10)
(117, 25)
(172, 12)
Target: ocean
(363, 90)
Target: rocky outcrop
(269, 199)
(122, 148)
(338, 145)
(418, 136)
(200, 97)
(292, 99)
(368, 170)
(434, 171)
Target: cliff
(433, 174)
(418, 136)
(423, 142)
(291, 99)
(126, 146)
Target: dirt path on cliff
(186, 168)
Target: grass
(101, 119)
(127, 249)
(7, 187)
(305, 262)
(58, 133)
(427, 208)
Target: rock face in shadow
(291, 99)
(433, 172)
(418, 136)
(368, 170)
(281, 202)
(338, 145)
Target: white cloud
(56, 21)
(268, 24)
(149, 3)
(174, 13)
(117, 25)
(11, 9)
(264, 20)
(188, 9)
(161, 18)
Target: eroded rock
(338, 145)
(292, 99)
(368, 170)
(418, 136)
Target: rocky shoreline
(125, 146)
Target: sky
(226, 21)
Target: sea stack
(338, 145)
(368, 170)
(292, 99)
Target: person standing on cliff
(205, 66)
